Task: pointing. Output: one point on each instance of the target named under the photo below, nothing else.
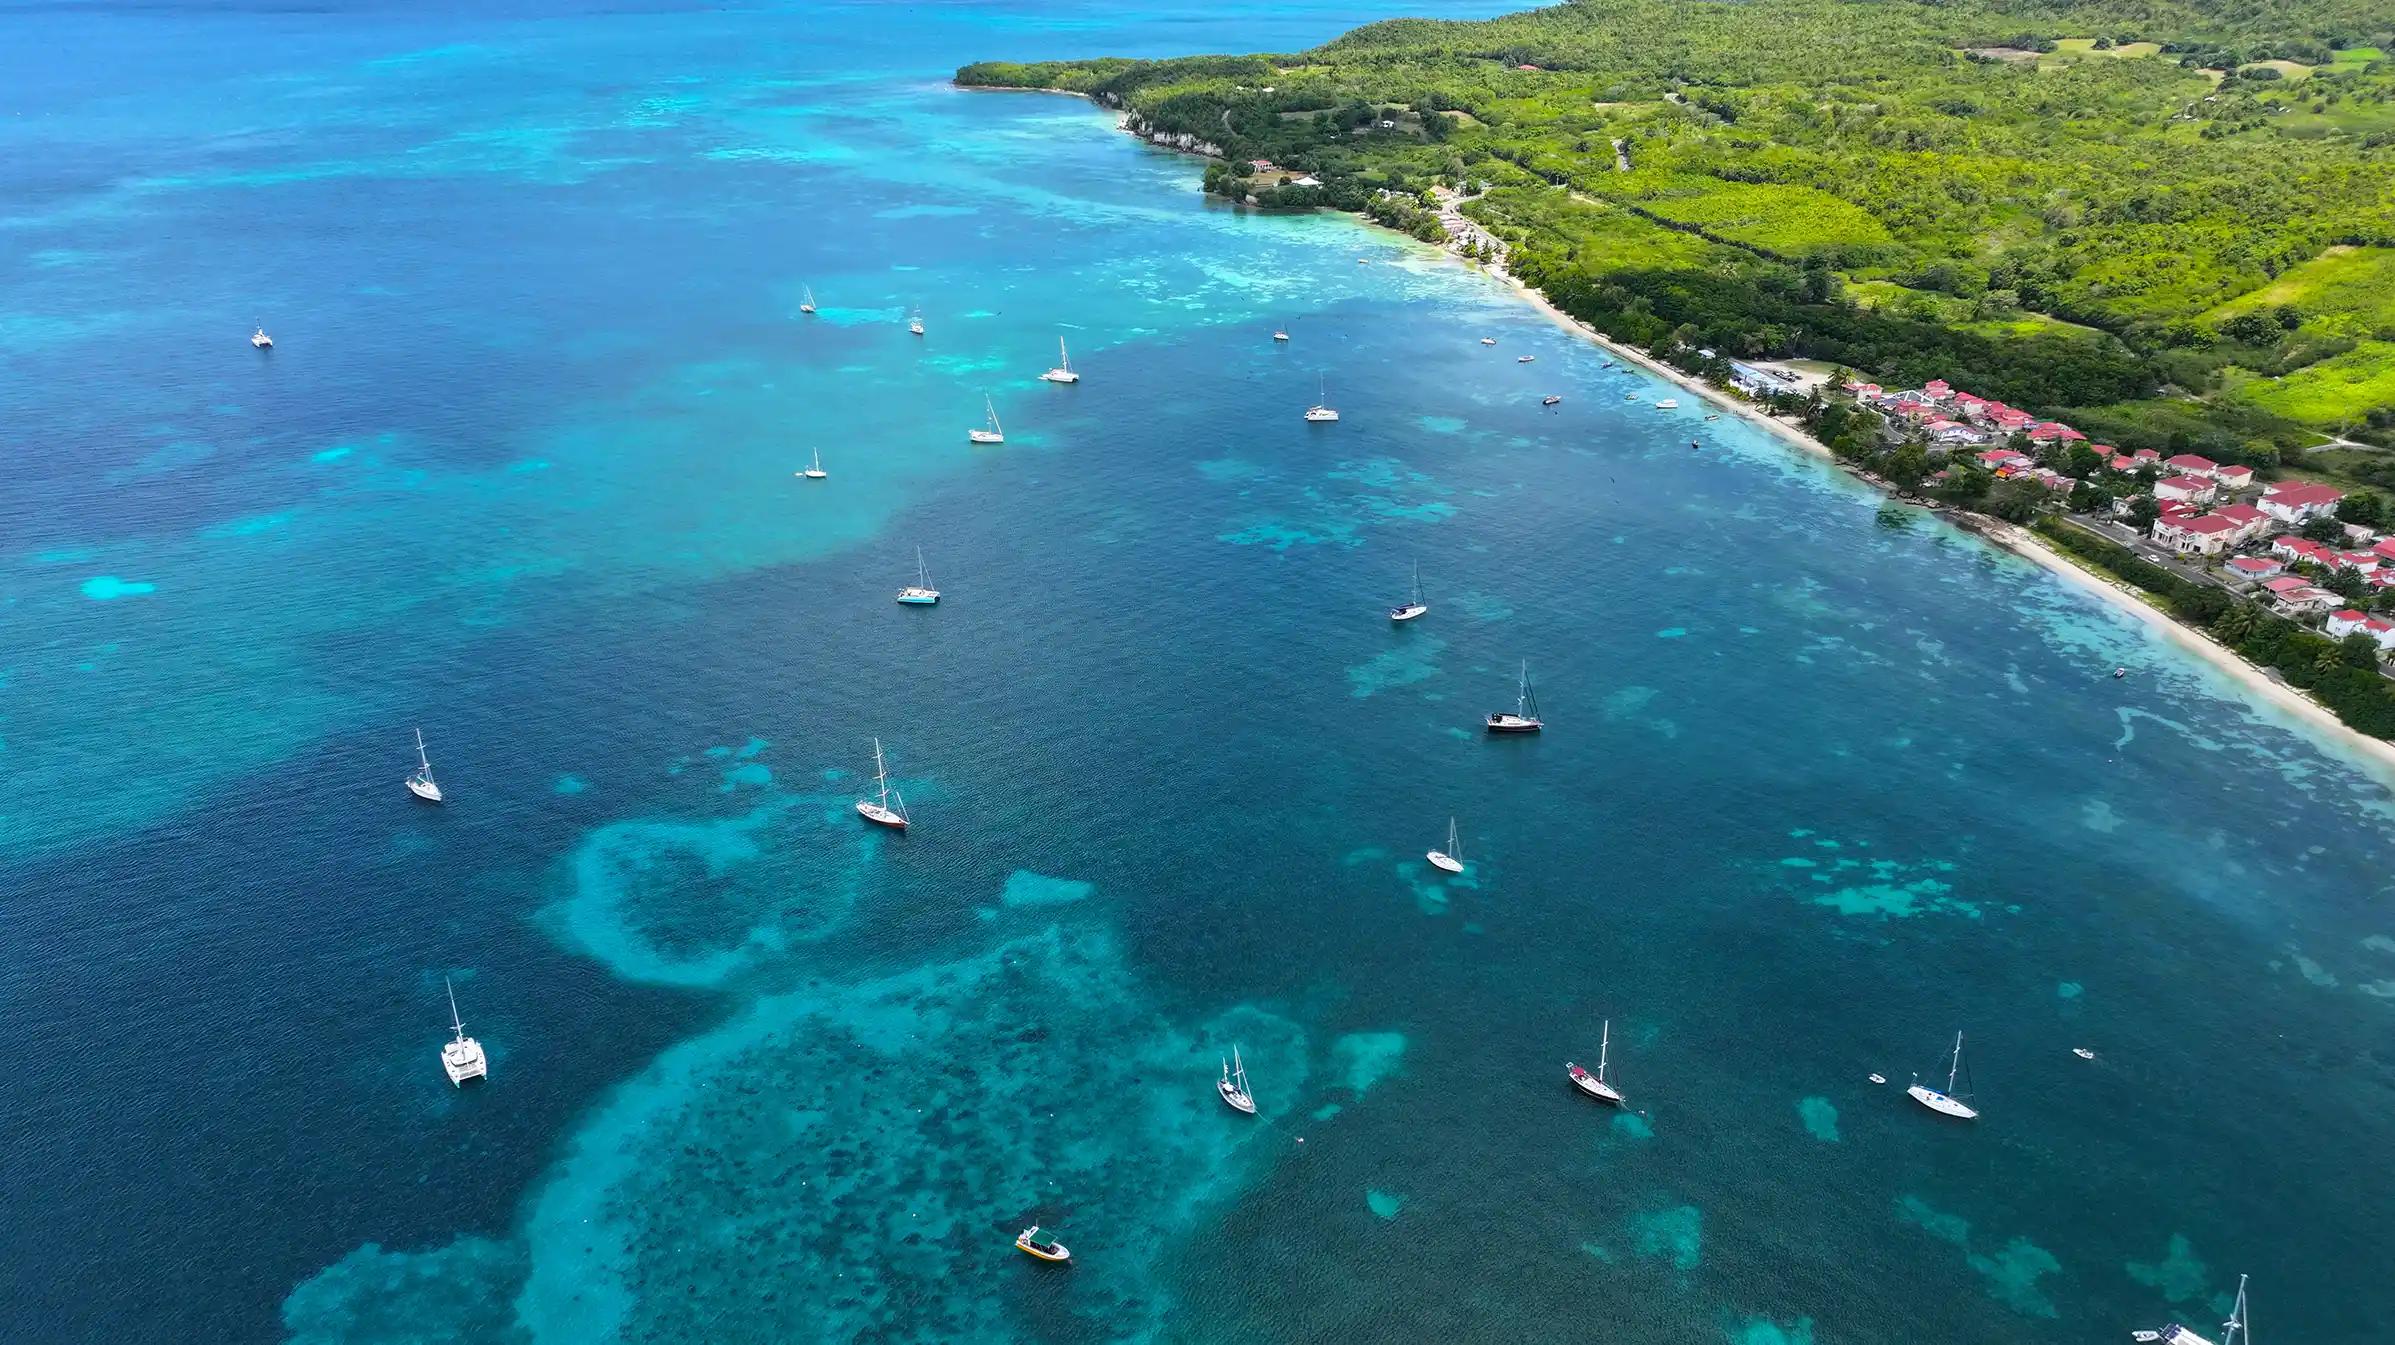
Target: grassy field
(2356, 280)
(1889, 296)
(2071, 49)
(1779, 218)
(1589, 231)
(2332, 394)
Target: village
(2283, 543)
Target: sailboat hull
(1060, 376)
(1513, 724)
(1234, 1099)
(1940, 1103)
(424, 789)
(1593, 1086)
(1408, 612)
(879, 815)
(919, 597)
(1444, 862)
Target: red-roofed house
(1936, 389)
(2308, 599)
(2002, 460)
(2233, 476)
(2386, 549)
(2010, 420)
(1861, 389)
(2251, 522)
(2053, 431)
(2293, 503)
(2123, 464)
(2255, 567)
(2287, 584)
(2203, 535)
(2193, 489)
(2294, 548)
(2189, 464)
(2353, 622)
(1951, 432)
(2174, 509)
(2360, 562)
(2147, 455)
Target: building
(2255, 568)
(2190, 464)
(2360, 562)
(2004, 460)
(2252, 524)
(2053, 432)
(2292, 549)
(2232, 476)
(2203, 535)
(2295, 503)
(2191, 489)
(2352, 622)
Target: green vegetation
(2128, 211)
(2342, 674)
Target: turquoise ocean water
(1826, 781)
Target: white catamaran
(1233, 1085)
(1951, 1102)
(2232, 1332)
(886, 806)
(1063, 372)
(992, 433)
(1524, 718)
(1596, 1085)
(1414, 606)
(920, 593)
(461, 1055)
(421, 783)
(1451, 859)
(1320, 412)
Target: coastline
(2374, 755)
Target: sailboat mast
(421, 759)
(456, 1023)
(881, 774)
(2238, 1333)
(1522, 692)
(1957, 1064)
(1604, 1048)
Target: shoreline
(2375, 755)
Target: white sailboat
(1488, 340)
(814, 471)
(993, 433)
(1320, 412)
(461, 1055)
(1233, 1085)
(1413, 606)
(920, 593)
(260, 340)
(2233, 1331)
(1524, 718)
(1451, 859)
(1063, 372)
(1667, 404)
(1280, 336)
(914, 322)
(1950, 1102)
(1596, 1085)
(421, 783)
(807, 305)
(886, 807)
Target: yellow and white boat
(1028, 1242)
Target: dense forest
(2171, 222)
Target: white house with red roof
(2191, 489)
(2256, 567)
(1936, 390)
(1954, 433)
(2293, 548)
(2202, 535)
(2252, 524)
(2147, 456)
(2053, 432)
(2191, 464)
(2360, 562)
(2003, 460)
(2234, 476)
(2353, 622)
(2295, 502)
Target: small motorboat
(2119, 673)
(1667, 404)
(1488, 340)
(1715, 416)
(260, 340)
(1028, 1242)
(2083, 1053)
(1550, 400)
(1694, 444)
(1525, 359)
(1280, 336)
(1879, 1078)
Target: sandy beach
(2375, 755)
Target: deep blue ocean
(1825, 781)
